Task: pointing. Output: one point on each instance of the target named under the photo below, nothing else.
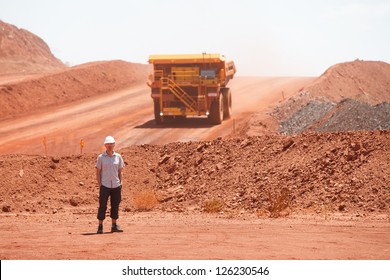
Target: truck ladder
(184, 97)
(202, 106)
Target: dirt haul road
(154, 236)
(128, 115)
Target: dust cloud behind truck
(191, 85)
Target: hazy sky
(271, 38)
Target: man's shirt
(110, 166)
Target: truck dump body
(191, 85)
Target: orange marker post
(82, 144)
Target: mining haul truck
(191, 85)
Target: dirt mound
(365, 81)
(268, 175)
(314, 172)
(22, 52)
(72, 84)
(348, 96)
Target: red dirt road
(128, 115)
(177, 236)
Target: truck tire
(216, 110)
(227, 103)
(157, 118)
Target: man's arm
(98, 176)
(120, 174)
(121, 165)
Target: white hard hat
(109, 139)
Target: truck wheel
(227, 103)
(216, 110)
(158, 119)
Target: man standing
(109, 167)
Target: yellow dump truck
(191, 85)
